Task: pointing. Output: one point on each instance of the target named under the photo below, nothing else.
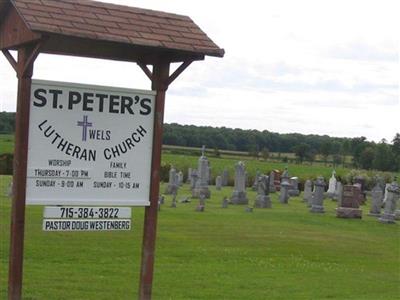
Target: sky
(313, 67)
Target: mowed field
(303, 171)
(279, 253)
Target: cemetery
(235, 236)
(96, 203)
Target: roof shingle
(122, 24)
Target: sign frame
(55, 190)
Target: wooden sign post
(130, 34)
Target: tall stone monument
(171, 181)
(225, 177)
(239, 190)
(285, 175)
(350, 206)
(193, 179)
(294, 190)
(332, 185)
(339, 193)
(263, 200)
(180, 178)
(218, 183)
(189, 175)
(272, 188)
(284, 192)
(393, 196)
(376, 201)
(387, 185)
(307, 195)
(201, 186)
(255, 183)
(318, 198)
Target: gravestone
(201, 186)
(376, 201)
(239, 190)
(255, 183)
(202, 203)
(387, 185)
(263, 200)
(225, 202)
(284, 192)
(193, 179)
(285, 175)
(248, 209)
(218, 183)
(180, 178)
(272, 188)
(209, 174)
(171, 181)
(389, 215)
(361, 196)
(162, 199)
(9, 192)
(225, 177)
(349, 208)
(294, 189)
(277, 179)
(360, 182)
(309, 204)
(339, 193)
(189, 175)
(332, 186)
(307, 195)
(318, 198)
(173, 204)
(397, 214)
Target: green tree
(366, 157)
(310, 156)
(396, 144)
(325, 150)
(301, 151)
(265, 153)
(384, 158)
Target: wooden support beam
(17, 228)
(179, 70)
(159, 84)
(146, 70)
(32, 57)
(10, 59)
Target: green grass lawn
(279, 253)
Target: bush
(6, 164)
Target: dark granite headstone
(350, 203)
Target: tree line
(383, 156)
(365, 154)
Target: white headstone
(332, 185)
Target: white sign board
(89, 145)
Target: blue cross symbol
(85, 124)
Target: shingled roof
(100, 21)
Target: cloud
(358, 50)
